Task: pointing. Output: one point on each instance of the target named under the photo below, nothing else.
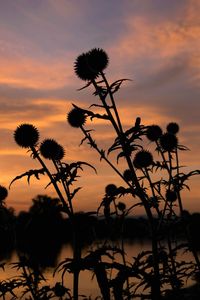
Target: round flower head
(173, 128)
(26, 135)
(121, 206)
(88, 65)
(143, 159)
(50, 149)
(128, 175)
(76, 117)
(168, 141)
(111, 189)
(59, 290)
(82, 68)
(171, 196)
(3, 193)
(98, 59)
(154, 132)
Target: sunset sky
(156, 43)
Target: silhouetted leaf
(115, 86)
(183, 148)
(91, 114)
(35, 172)
(85, 86)
(78, 164)
(74, 192)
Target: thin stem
(113, 102)
(101, 153)
(106, 107)
(65, 186)
(146, 173)
(28, 282)
(123, 258)
(36, 155)
(178, 190)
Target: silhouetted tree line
(41, 232)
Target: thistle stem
(65, 186)
(65, 206)
(113, 102)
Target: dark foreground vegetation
(154, 180)
(41, 232)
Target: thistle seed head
(171, 196)
(26, 135)
(89, 65)
(111, 189)
(76, 117)
(50, 149)
(153, 133)
(173, 128)
(121, 206)
(168, 142)
(143, 159)
(128, 175)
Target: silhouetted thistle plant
(62, 178)
(111, 189)
(51, 150)
(89, 65)
(153, 132)
(168, 142)
(26, 135)
(173, 128)
(154, 181)
(143, 159)
(127, 175)
(76, 117)
(171, 196)
(32, 284)
(160, 198)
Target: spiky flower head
(50, 149)
(98, 59)
(59, 290)
(153, 132)
(76, 117)
(26, 135)
(143, 159)
(111, 189)
(3, 193)
(168, 142)
(89, 65)
(171, 195)
(128, 175)
(173, 128)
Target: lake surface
(88, 285)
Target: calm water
(88, 285)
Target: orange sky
(154, 42)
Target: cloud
(34, 73)
(152, 42)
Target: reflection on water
(88, 284)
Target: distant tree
(39, 231)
